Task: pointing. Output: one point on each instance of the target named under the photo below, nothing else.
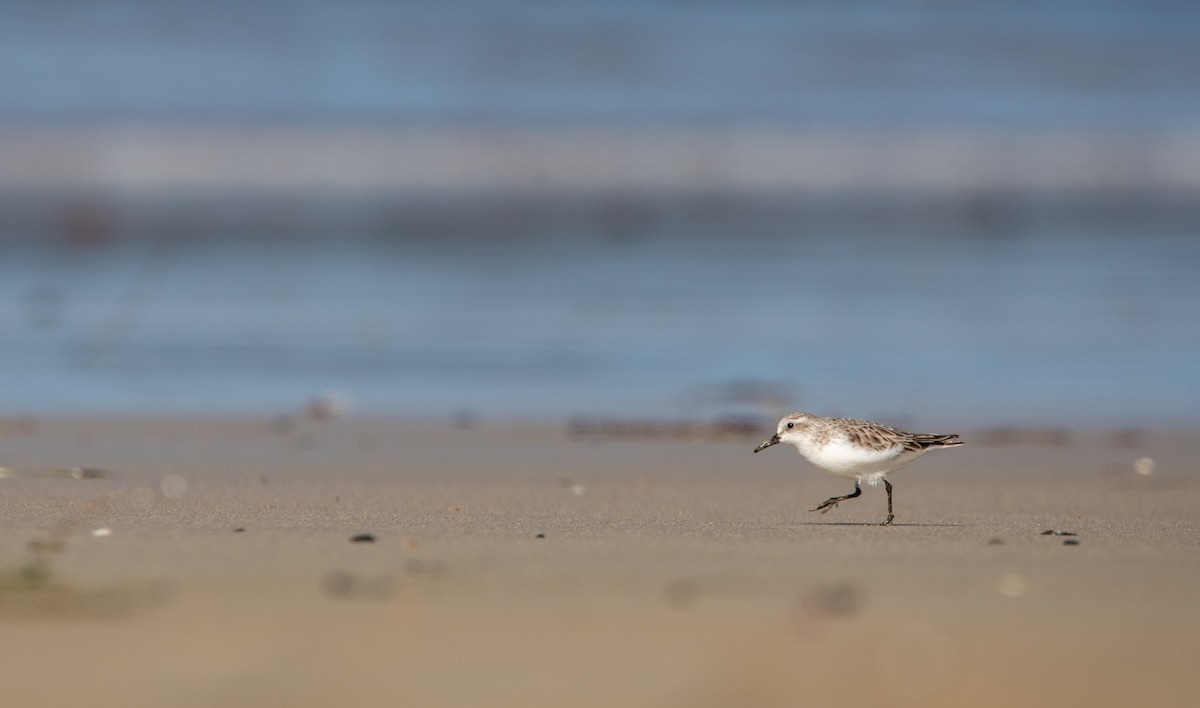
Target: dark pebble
(681, 593)
(239, 530)
(996, 542)
(840, 600)
(540, 535)
(1070, 542)
(363, 538)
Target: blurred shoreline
(291, 182)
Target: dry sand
(673, 571)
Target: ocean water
(1097, 327)
(1023, 63)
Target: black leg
(888, 486)
(833, 501)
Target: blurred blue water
(1093, 327)
(1015, 63)
(1046, 321)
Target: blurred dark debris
(362, 538)
(1126, 438)
(727, 427)
(35, 590)
(767, 397)
(20, 425)
(681, 593)
(1071, 542)
(1055, 532)
(1050, 437)
(50, 598)
(823, 603)
(464, 419)
(626, 217)
(834, 600)
(329, 405)
(283, 424)
(89, 222)
(343, 585)
(56, 473)
(991, 216)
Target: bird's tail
(924, 441)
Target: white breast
(838, 457)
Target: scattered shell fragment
(1012, 585)
(1144, 466)
(102, 532)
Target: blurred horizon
(973, 211)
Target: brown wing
(875, 435)
(882, 437)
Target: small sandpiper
(854, 449)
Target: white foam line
(159, 159)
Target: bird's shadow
(867, 523)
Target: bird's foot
(825, 506)
(888, 522)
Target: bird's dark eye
(791, 425)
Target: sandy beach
(203, 562)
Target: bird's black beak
(768, 443)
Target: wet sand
(520, 564)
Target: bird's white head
(792, 427)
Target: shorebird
(854, 449)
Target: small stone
(1012, 585)
(996, 542)
(540, 535)
(102, 532)
(1071, 542)
(173, 486)
(239, 529)
(362, 538)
